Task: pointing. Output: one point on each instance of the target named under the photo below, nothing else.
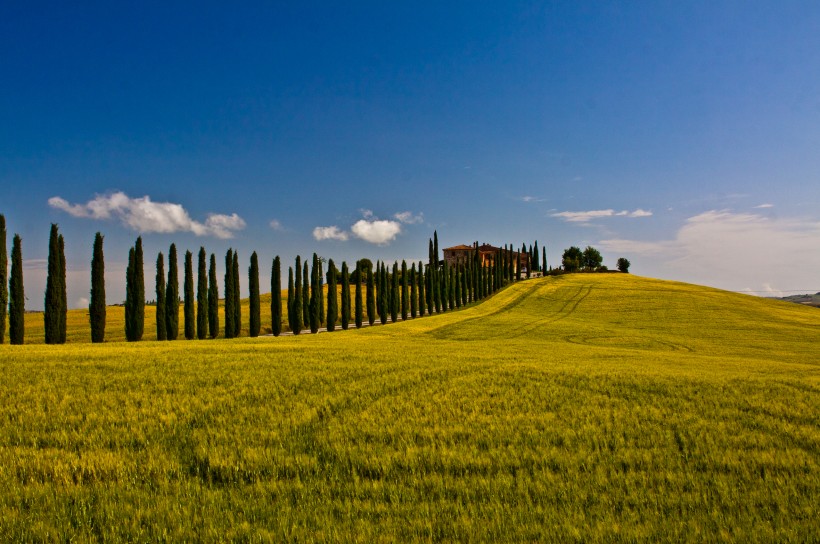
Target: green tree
(421, 291)
(17, 296)
(314, 296)
(572, 259)
(160, 291)
(255, 319)
(4, 280)
(359, 314)
(237, 298)
(202, 295)
(96, 307)
(345, 296)
(52, 298)
(384, 295)
(623, 265)
(172, 296)
(320, 298)
(414, 301)
(291, 298)
(129, 297)
(63, 313)
(536, 266)
(544, 259)
(139, 284)
(188, 293)
(405, 295)
(371, 297)
(297, 299)
(394, 293)
(332, 303)
(213, 299)
(230, 313)
(276, 296)
(591, 258)
(305, 294)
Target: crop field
(588, 407)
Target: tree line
(381, 292)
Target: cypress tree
(202, 296)
(457, 286)
(160, 290)
(305, 294)
(383, 295)
(230, 314)
(172, 296)
(320, 297)
(314, 296)
(513, 265)
(436, 275)
(359, 317)
(129, 297)
(464, 282)
(529, 263)
(297, 299)
(63, 313)
(394, 289)
(345, 296)
(444, 287)
(17, 296)
(332, 304)
(421, 290)
(4, 280)
(255, 320)
(379, 290)
(536, 266)
(276, 297)
(188, 293)
(414, 301)
(139, 284)
(213, 300)
(96, 307)
(405, 303)
(52, 298)
(371, 301)
(291, 296)
(544, 259)
(237, 297)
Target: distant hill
(806, 300)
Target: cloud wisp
(329, 233)
(408, 218)
(145, 216)
(590, 215)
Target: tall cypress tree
(314, 296)
(457, 286)
(414, 301)
(332, 304)
(405, 303)
(96, 307)
(52, 297)
(436, 275)
(172, 296)
(321, 298)
(421, 291)
(381, 295)
(536, 265)
(63, 314)
(160, 290)
(345, 296)
(213, 299)
(444, 286)
(139, 284)
(305, 294)
(230, 313)
(359, 314)
(188, 293)
(544, 259)
(4, 279)
(202, 296)
(237, 297)
(529, 263)
(129, 297)
(276, 297)
(297, 299)
(371, 298)
(395, 297)
(255, 319)
(291, 297)
(17, 296)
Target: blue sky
(683, 136)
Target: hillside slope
(578, 408)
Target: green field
(573, 408)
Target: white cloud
(275, 224)
(376, 231)
(587, 216)
(329, 233)
(762, 206)
(408, 218)
(736, 251)
(529, 198)
(144, 215)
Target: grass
(577, 408)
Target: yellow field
(575, 408)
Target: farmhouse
(486, 254)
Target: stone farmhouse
(486, 254)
